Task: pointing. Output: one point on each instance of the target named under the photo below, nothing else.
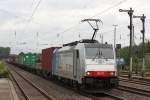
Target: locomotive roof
(87, 45)
(99, 45)
(81, 41)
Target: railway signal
(143, 33)
(130, 13)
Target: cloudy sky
(24, 24)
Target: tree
(4, 52)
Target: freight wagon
(20, 58)
(12, 58)
(28, 60)
(17, 59)
(47, 61)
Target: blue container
(55, 62)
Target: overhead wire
(104, 11)
(33, 13)
(38, 4)
(16, 16)
(33, 2)
(28, 20)
(109, 8)
(68, 29)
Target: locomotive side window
(77, 53)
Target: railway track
(139, 91)
(95, 96)
(135, 74)
(136, 81)
(103, 96)
(117, 97)
(29, 90)
(108, 96)
(137, 77)
(134, 90)
(114, 96)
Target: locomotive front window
(92, 53)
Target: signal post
(143, 33)
(130, 13)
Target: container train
(85, 64)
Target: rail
(44, 93)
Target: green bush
(3, 70)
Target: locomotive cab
(100, 66)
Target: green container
(30, 59)
(17, 59)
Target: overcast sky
(59, 21)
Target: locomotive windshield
(93, 53)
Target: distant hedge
(136, 52)
(4, 52)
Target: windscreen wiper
(99, 54)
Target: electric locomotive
(87, 64)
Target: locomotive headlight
(88, 73)
(112, 73)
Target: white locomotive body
(87, 64)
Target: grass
(3, 70)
